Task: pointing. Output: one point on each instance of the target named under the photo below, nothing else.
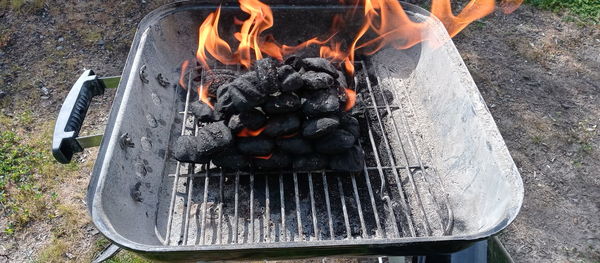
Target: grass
(22, 5)
(584, 11)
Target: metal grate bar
(220, 215)
(178, 166)
(404, 203)
(267, 211)
(251, 208)
(282, 204)
(204, 208)
(378, 231)
(343, 200)
(383, 179)
(417, 156)
(364, 233)
(235, 216)
(298, 212)
(328, 204)
(313, 209)
(216, 174)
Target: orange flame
(250, 133)
(264, 157)
(209, 40)
(261, 19)
(203, 96)
(385, 19)
(184, 66)
(289, 135)
(351, 94)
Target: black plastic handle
(71, 116)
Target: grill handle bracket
(65, 141)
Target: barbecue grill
(437, 177)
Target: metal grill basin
(437, 177)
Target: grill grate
(397, 195)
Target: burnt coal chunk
(214, 137)
(294, 145)
(211, 139)
(292, 82)
(217, 78)
(284, 103)
(238, 96)
(321, 102)
(335, 142)
(185, 150)
(278, 160)
(231, 159)
(314, 128)
(281, 125)
(284, 71)
(253, 119)
(341, 79)
(350, 124)
(255, 146)
(351, 160)
(310, 162)
(224, 102)
(317, 80)
(295, 62)
(203, 112)
(235, 124)
(320, 65)
(266, 70)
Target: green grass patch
(585, 11)
(127, 257)
(22, 5)
(29, 176)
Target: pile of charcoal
(294, 115)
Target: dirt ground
(539, 75)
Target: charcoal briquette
(351, 160)
(335, 142)
(185, 150)
(231, 159)
(320, 65)
(321, 102)
(235, 124)
(317, 80)
(211, 139)
(253, 119)
(341, 79)
(266, 70)
(295, 62)
(310, 162)
(238, 96)
(284, 103)
(255, 146)
(294, 145)
(284, 71)
(214, 137)
(282, 125)
(203, 112)
(350, 124)
(313, 128)
(216, 78)
(278, 160)
(292, 82)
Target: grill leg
(107, 253)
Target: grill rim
(417, 245)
